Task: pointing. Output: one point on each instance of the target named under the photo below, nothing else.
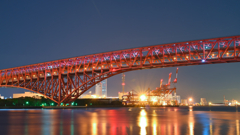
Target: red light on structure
(123, 83)
(175, 80)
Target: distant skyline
(40, 31)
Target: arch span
(66, 79)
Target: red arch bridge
(66, 79)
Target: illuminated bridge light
(203, 60)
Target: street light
(190, 100)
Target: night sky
(39, 31)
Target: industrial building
(184, 102)
(27, 94)
(120, 95)
(203, 102)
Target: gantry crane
(164, 89)
(153, 96)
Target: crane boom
(169, 79)
(175, 80)
(161, 83)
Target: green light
(27, 102)
(90, 103)
(52, 103)
(72, 103)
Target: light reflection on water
(119, 121)
(191, 121)
(143, 122)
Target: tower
(98, 89)
(101, 89)
(104, 88)
(123, 82)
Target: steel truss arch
(66, 79)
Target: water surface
(121, 121)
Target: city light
(94, 96)
(164, 103)
(190, 99)
(210, 103)
(143, 97)
(27, 102)
(203, 60)
(154, 99)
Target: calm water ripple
(121, 121)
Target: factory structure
(165, 94)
